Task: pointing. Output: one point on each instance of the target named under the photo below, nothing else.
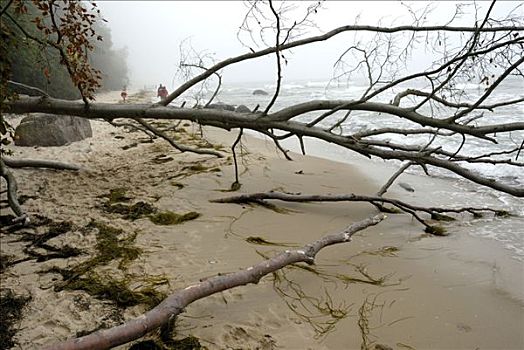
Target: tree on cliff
(431, 101)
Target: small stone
(406, 186)
(260, 92)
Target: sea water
(507, 231)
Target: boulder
(242, 109)
(40, 129)
(260, 92)
(222, 106)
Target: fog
(153, 31)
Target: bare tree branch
(260, 197)
(356, 28)
(38, 163)
(181, 148)
(177, 302)
(39, 91)
(280, 121)
(392, 179)
(12, 199)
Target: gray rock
(222, 106)
(406, 186)
(260, 92)
(40, 129)
(242, 109)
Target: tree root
(38, 163)
(12, 188)
(377, 201)
(181, 148)
(175, 304)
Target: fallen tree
(176, 303)
(489, 52)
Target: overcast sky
(153, 30)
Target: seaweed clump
(117, 195)
(11, 308)
(441, 217)
(436, 230)
(111, 246)
(116, 290)
(114, 204)
(40, 241)
(171, 218)
(130, 212)
(6, 261)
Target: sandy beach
(393, 286)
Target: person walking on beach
(123, 94)
(162, 92)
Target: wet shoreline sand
(392, 285)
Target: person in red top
(162, 92)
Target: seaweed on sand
(171, 218)
(116, 290)
(40, 241)
(11, 308)
(111, 246)
(130, 212)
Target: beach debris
(177, 184)
(130, 212)
(132, 145)
(161, 159)
(406, 186)
(464, 327)
(171, 218)
(441, 217)
(117, 195)
(262, 241)
(11, 309)
(436, 230)
(39, 244)
(112, 244)
(386, 251)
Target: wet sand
(392, 285)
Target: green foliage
(42, 66)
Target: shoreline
(437, 292)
